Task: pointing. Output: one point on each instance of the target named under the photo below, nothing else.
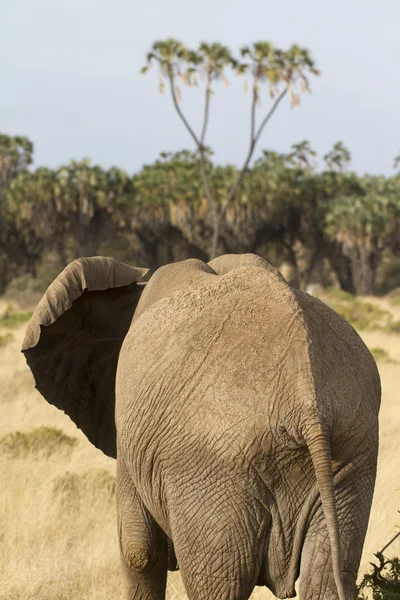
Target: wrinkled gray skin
(246, 415)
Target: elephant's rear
(216, 390)
(348, 393)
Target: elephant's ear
(225, 263)
(73, 340)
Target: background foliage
(332, 226)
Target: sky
(70, 80)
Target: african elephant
(246, 421)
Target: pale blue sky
(69, 77)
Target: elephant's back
(224, 352)
(212, 350)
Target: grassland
(58, 537)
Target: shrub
(360, 314)
(394, 296)
(11, 319)
(68, 483)
(393, 327)
(43, 440)
(21, 284)
(380, 354)
(118, 247)
(339, 295)
(100, 481)
(72, 488)
(46, 272)
(388, 276)
(383, 582)
(5, 338)
(363, 315)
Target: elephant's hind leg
(143, 545)
(219, 547)
(200, 584)
(353, 500)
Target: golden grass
(58, 535)
(42, 441)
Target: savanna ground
(58, 536)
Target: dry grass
(5, 338)
(53, 548)
(58, 537)
(42, 442)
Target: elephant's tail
(319, 448)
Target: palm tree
(281, 71)
(338, 158)
(361, 226)
(15, 157)
(303, 156)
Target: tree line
(184, 205)
(283, 209)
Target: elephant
(242, 413)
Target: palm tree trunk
(342, 267)
(215, 235)
(365, 264)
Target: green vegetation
(393, 327)
(43, 440)
(320, 222)
(361, 314)
(380, 354)
(11, 319)
(383, 582)
(283, 209)
(394, 296)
